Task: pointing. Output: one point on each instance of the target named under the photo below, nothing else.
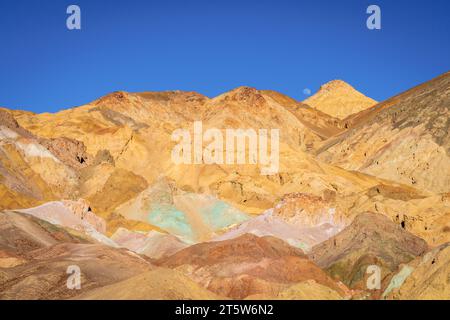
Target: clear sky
(213, 46)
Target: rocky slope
(248, 265)
(35, 256)
(371, 239)
(404, 139)
(141, 129)
(96, 186)
(425, 278)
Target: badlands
(361, 186)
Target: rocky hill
(371, 239)
(339, 99)
(359, 183)
(404, 139)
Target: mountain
(35, 256)
(404, 139)
(339, 99)
(371, 239)
(126, 145)
(424, 278)
(97, 186)
(247, 265)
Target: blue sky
(213, 46)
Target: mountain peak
(243, 94)
(339, 99)
(336, 85)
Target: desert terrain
(360, 184)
